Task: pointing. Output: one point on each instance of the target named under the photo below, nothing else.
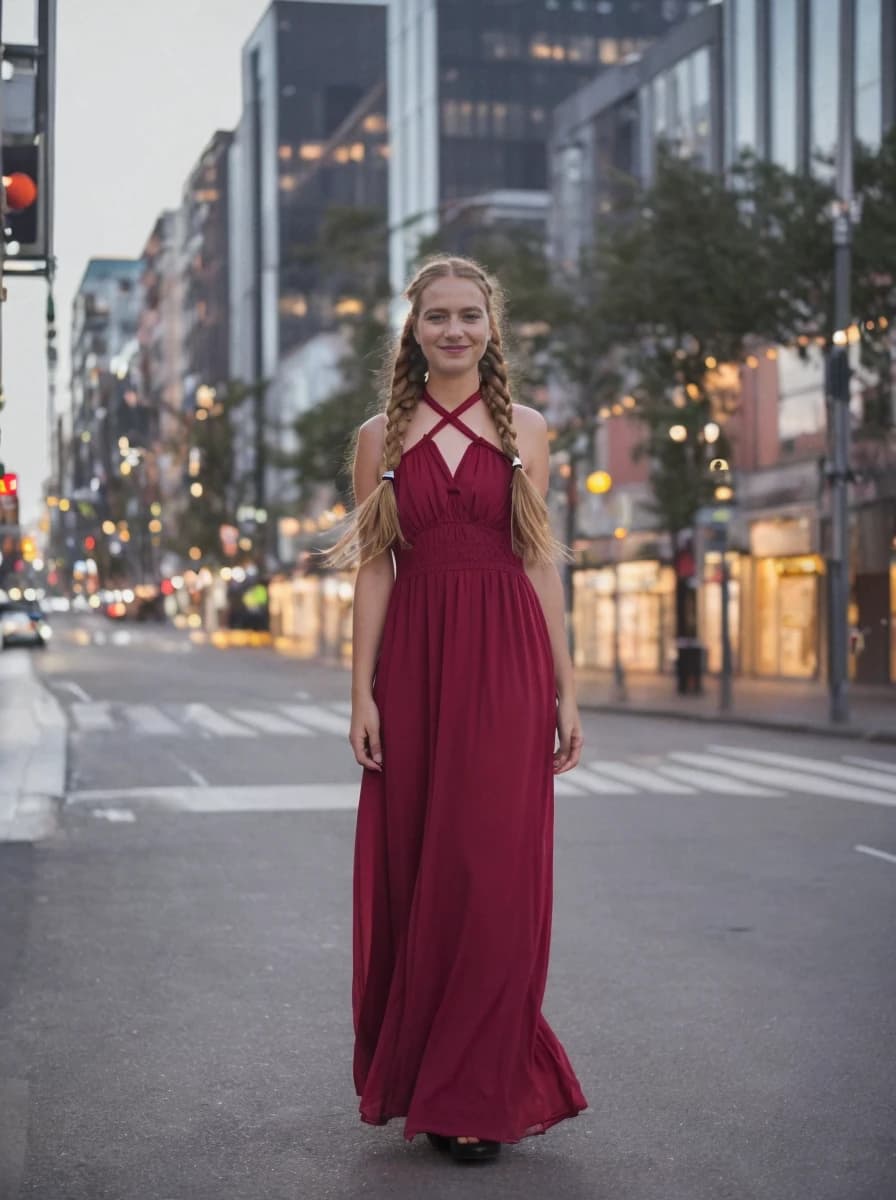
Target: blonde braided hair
(374, 526)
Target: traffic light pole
(838, 562)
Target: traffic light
(22, 223)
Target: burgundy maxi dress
(454, 839)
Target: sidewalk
(765, 704)
(32, 751)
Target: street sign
(715, 516)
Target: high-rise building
(312, 134)
(472, 85)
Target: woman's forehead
(451, 292)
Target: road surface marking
(798, 781)
(321, 797)
(149, 720)
(566, 787)
(716, 782)
(113, 814)
(214, 722)
(317, 718)
(874, 763)
(876, 853)
(93, 717)
(835, 770)
(649, 781)
(75, 688)
(591, 781)
(195, 776)
(342, 706)
(268, 722)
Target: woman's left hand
(569, 732)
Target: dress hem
(539, 1127)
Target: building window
(745, 75)
(801, 408)
(868, 72)
(783, 78)
(823, 84)
(500, 45)
(311, 151)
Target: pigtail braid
(532, 536)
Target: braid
(496, 392)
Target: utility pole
(838, 381)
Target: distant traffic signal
(21, 185)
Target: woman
(461, 679)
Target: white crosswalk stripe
(216, 723)
(837, 770)
(269, 722)
(92, 717)
(715, 783)
(641, 777)
(797, 781)
(151, 721)
(317, 718)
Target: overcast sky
(141, 88)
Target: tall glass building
(472, 85)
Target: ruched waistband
(454, 545)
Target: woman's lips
(454, 349)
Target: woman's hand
(364, 734)
(569, 732)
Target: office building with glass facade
(762, 76)
(472, 85)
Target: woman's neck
(452, 390)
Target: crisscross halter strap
(453, 417)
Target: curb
(33, 750)
(782, 725)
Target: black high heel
(481, 1151)
(439, 1141)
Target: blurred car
(23, 625)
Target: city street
(175, 960)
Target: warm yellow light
(719, 464)
(205, 396)
(882, 322)
(711, 432)
(603, 413)
(201, 414)
(196, 489)
(245, 543)
(724, 492)
(771, 352)
(628, 402)
(678, 433)
(108, 528)
(125, 468)
(599, 482)
(752, 360)
(710, 362)
(349, 306)
(124, 444)
(52, 501)
(155, 508)
(620, 532)
(565, 470)
(693, 391)
(195, 553)
(124, 535)
(840, 337)
(155, 525)
(617, 410)
(853, 334)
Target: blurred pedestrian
(461, 683)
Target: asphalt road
(175, 1013)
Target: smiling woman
(461, 683)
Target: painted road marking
(798, 781)
(149, 720)
(322, 797)
(93, 717)
(268, 722)
(876, 853)
(718, 783)
(216, 723)
(835, 770)
(640, 777)
(317, 718)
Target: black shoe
(439, 1141)
(474, 1151)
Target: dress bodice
(459, 519)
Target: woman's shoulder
(372, 433)
(528, 418)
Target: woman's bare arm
(373, 587)
(546, 580)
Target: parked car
(23, 624)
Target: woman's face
(452, 325)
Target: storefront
(643, 595)
(711, 609)
(787, 591)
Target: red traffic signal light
(9, 485)
(21, 191)
(90, 542)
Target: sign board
(716, 516)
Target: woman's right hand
(364, 734)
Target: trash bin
(689, 668)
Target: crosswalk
(209, 721)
